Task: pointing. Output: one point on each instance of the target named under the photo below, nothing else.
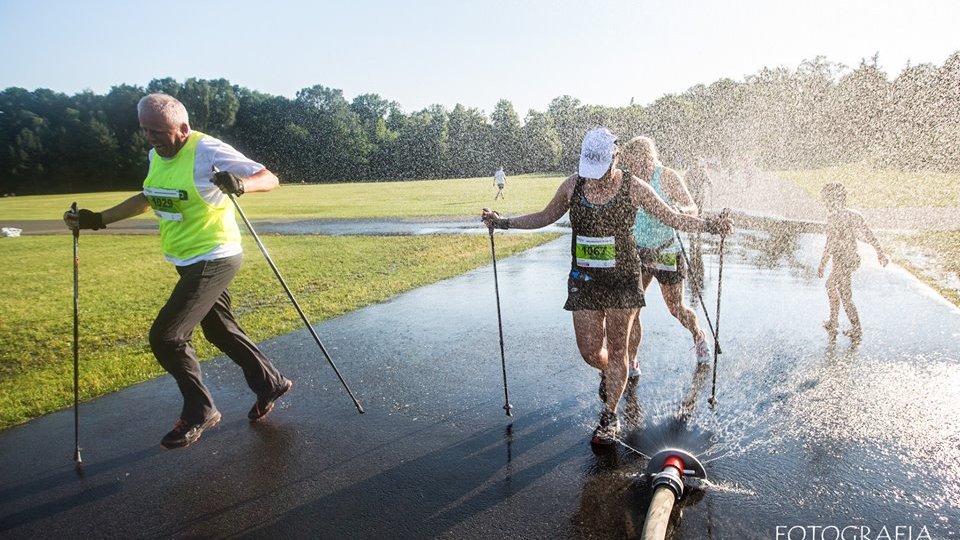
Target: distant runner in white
(499, 179)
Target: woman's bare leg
(589, 329)
(673, 297)
(619, 323)
(636, 335)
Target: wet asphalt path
(805, 432)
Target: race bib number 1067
(596, 252)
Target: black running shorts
(585, 294)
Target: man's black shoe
(184, 434)
(265, 404)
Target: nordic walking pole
(503, 362)
(703, 305)
(713, 388)
(294, 300)
(76, 342)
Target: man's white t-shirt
(501, 178)
(212, 152)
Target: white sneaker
(633, 374)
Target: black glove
(90, 220)
(228, 183)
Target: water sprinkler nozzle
(669, 467)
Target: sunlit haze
(424, 52)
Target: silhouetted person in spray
(844, 228)
(187, 186)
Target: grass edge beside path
(329, 275)
(933, 258)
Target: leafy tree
(856, 110)
(469, 142)
(119, 107)
(339, 147)
(421, 148)
(541, 146)
(372, 111)
(166, 85)
(212, 105)
(564, 112)
(506, 135)
(819, 114)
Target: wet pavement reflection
(805, 431)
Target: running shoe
(265, 404)
(633, 374)
(184, 434)
(703, 352)
(607, 430)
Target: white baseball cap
(596, 154)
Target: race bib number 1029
(166, 202)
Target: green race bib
(595, 252)
(666, 261)
(166, 202)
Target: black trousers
(201, 297)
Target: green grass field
(124, 281)
(869, 188)
(425, 198)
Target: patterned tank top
(602, 244)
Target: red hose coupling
(674, 461)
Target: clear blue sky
(472, 52)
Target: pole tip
(509, 408)
(712, 401)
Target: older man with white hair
(190, 178)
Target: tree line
(819, 114)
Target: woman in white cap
(604, 285)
